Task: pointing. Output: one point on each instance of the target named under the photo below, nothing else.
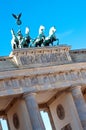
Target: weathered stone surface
(7, 63)
(80, 104)
(78, 55)
(33, 110)
(38, 69)
(41, 56)
(47, 71)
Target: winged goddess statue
(17, 17)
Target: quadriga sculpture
(20, 41)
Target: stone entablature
(27, 71)
(39, 57)
(78, 55)
(7, 63)
(41, 79)
(36, 57)
(44, 56)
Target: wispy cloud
(65, 34)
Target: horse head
(39, 40)
(51, 38)
(14, 41)
(52, 31)
(27, 37)
(41, 29)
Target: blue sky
(69, 18)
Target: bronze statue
(20, 41)
(17, 17)
(24, 41)
(27, 38)
(20, 38)
(40, 39)
(14, 41)
(51, 38)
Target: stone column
(80, 104)
(34, 113)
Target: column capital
(29, 94)
(75, 88)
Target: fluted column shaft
(33, 110)
(80, 104)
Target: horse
(24, 41)
(39, 40)
(27, 38)
(51, 38)
(14, 41)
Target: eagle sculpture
(17, 17)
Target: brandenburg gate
(39, 75)
(52, 79)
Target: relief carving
(2, 86)
(37, 58)
(60, 112)
(83, 74)
(16, 121)
(14, 83)
(43, 57)
(46, 79)
(8, 84)
(34, 81)
(21, 82)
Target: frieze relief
(60, 55)
(34, 81)
(14, 83)
(2, 86)
(83, 74)
(44, 58)
(44, 50)
(38, 82)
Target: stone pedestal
(80, 104)
(33, 110)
